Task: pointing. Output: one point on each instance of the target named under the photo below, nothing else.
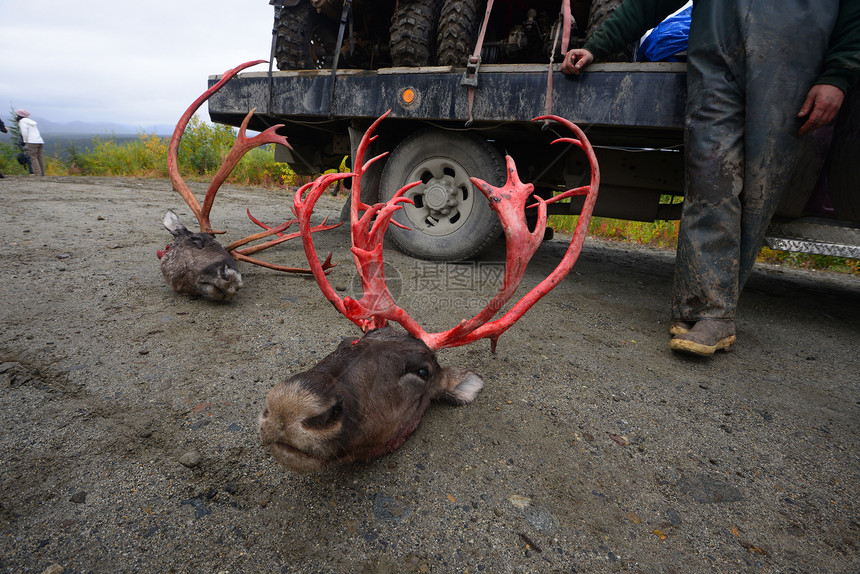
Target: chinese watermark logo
(440, 285)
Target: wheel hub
(440, 197)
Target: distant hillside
(49, 128)
(61, 137)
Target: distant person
(3, 130)
(33, 140)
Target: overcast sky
(134, 63)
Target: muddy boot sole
(692, 347)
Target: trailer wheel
(450, 220)
(305, 39)
(459, 21)
(413, 32)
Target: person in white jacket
(33, 140)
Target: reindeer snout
(326, 419)
(232, 279)
(228, 273)
(221, 281)
(225, 272)
(298, 411)
(300, 427)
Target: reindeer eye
(418, 368)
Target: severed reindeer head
(365, 398)
(361, 401)
(195, 264)
(186, 263)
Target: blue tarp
(667, 39)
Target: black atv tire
(413, 33)
(459, 22)
(305, 39)
(599, 12)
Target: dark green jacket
(634, 17)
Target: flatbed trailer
(633, 114)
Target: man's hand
(575, 60)
(822, 104)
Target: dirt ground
(129, 437)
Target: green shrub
(202, 151)
(8, 163)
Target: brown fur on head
(361, 401)
(196, 264)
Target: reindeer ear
(172, 224)
(459, 386)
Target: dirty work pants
(37, 158)
(750, 64)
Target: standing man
(761, 75)
(33, 140)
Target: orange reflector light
(408, 96)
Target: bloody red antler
(241, 146)
(377, 306)
(245, 254)
(173, 149)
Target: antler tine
(172, 160)
(376, 305)
(494, 329)
(327, 265)
(509, 203)
(356, 206)
(282, 237)
(303, 208)
(241, 146)
(578, 142)
(245, 254)
(269, 231)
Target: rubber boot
(680, 327)
(706, 337)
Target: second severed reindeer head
(368, 396)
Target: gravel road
(129, 439)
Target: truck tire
(413, 33)
(451, 220)
(843, 177)
(597, 15)
(459, 21)
(305, 39)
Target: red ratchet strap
(566, 19)
(470, 76)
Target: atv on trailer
(424, 32)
